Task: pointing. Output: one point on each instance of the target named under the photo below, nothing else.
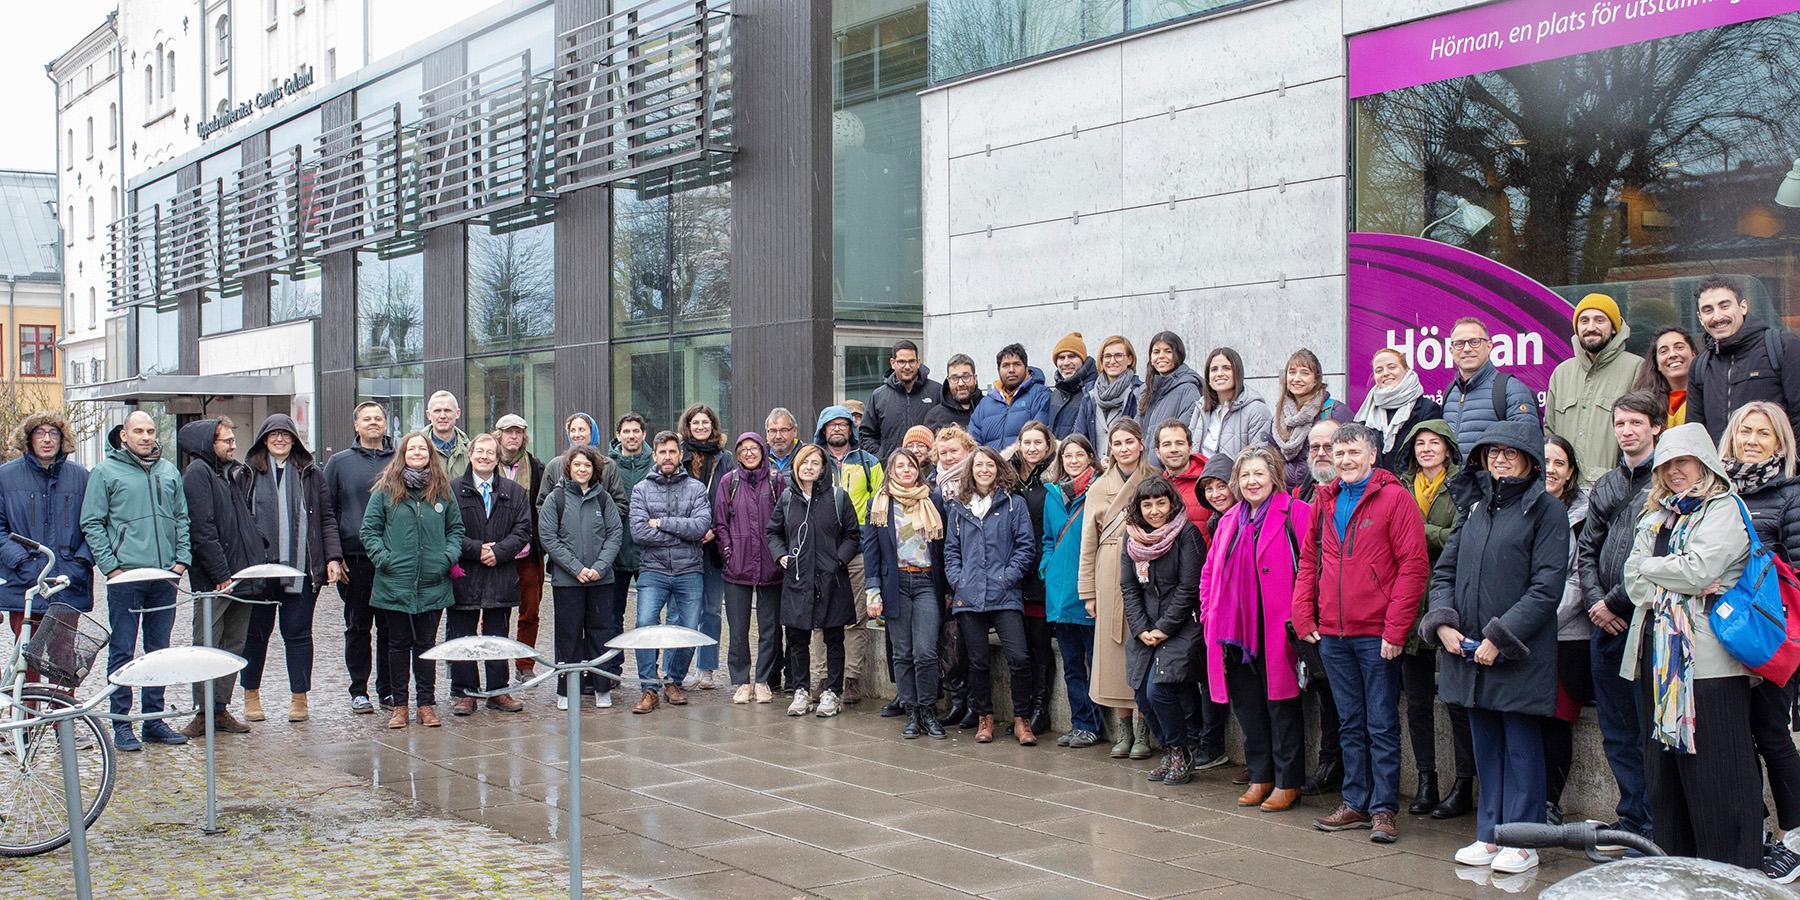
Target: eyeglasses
(1510, 454)
(1466, 343)
(47, 432)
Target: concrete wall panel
(1033, 182)
(1081, 90)
(1232, 56)
(1254, 142)
(1036, 264)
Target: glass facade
(400, 390)
(295, 292)
(522, 383)
(222, 307)
(879, 65)
(511, 283)
(975, 35)
(1635, 170)
(158, 340)
(390, 303)
(671, 260)
(659, 378)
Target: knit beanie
(1602, 303)
(918, 433)
(1071, 342)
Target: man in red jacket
(1356, 596)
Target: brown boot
(462, 706)
(398, 719)
(1282, 800)
(226, 723)
(1022, 731)
(195, 728)
(253, 706)
(297, 709)
(428, 717)
(984, 730)
(852, 692)
(646, 703)
(677, 696)
(1255, 794)
(505, 703)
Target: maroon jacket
(1369, 583)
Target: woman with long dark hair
(1229, 416)
(1034, 462)
(1098, 585)
(988, 549)
(1665, 369)
(413, 532)
(1171, 387)
(1064, 504)
(1574, 673)
(703, 455)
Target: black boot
(1458, 802)
(1329, 776)
(912, 728)
(928, 721)
(958, 693)
(1427, 797)
(893, 709)
(1040, 710)
(969, 720)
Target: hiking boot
(428, 717)
(928, 721)
(298, 711)
(646, 703)
(1140, 748)
(676, 696)
(1121, 748)
(984, 729)
(253, 711)
(1022, 731)
(462, 706)
(1383, 830)
(1344, 819)
(912, 729)
(505, 703)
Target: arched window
(69, 161)
(224, 104)
(222, 34)
(90, 137)
(170, 75)
(68, 227)
(114, 207)
(159, 74)
(93, 308)
(112, 125)
(90, 210)
(149, 87)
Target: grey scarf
(1109, 399)
(1292, 423)
(281, 517)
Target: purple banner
(1502, 35)
(1407, 292)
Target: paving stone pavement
(708, 800)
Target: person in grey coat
(1228, 416)
(580, 528)
(1171, 388)
(1494, 594)
(671, 517)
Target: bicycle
(33, 814)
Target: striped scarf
(1672, 642)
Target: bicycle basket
(64, 645)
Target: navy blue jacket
(996, 422)
(44, 505)
(881, 552)
(1469, 405)
(986, 559)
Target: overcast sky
(35, 33)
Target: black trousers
(621, 591)
(1706, 804)
(1771, 706)
(1274, 730)
(1040, 649)
(360, 625)
(584, 623)
(1010, 625)
(1331, 748)
(799, 654)
(408, 636)
(296, 617)
(465, 623)
(1418, 682)
(766, 600)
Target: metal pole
(71, 776)
(212, 787)
(572, 685)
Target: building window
(93, 308)
(522, 383)
(170, 73)
(401, 391)
(90, 137)
(274, 13)
(112, 125)
(114, 207)
(390, 303)
(37, 351)
(222, 35)
(331, 64)
(658, 378)
(149, 90)
(160, 92)
(294, 293)
(68, 227)
(222, 307)
(70, 159)
(511, 284)
(96, 370)
(158, 340)
(671, 259)
(74, 373)
(90, 212)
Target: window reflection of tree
(1557, 149)
(672, 255)
(512, 287)
(971, 35)
(390, 307)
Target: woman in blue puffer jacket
(988, 547)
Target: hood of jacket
(593, 431)
(1690, 439)
(1034, 378)
(1524, 436)
(1440, 428)
(918, 384)
(1083, 380)
(259, 451)
(196, 440)
(1218, 468)
(835, 411)
(20, 439)
(1182, 374)
(762, 470)
(1607, 354)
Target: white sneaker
(743, 694)
(562, 702)
(705, 680)
(691, 682)
(765, 695)
(1513, 860)
(802, 703)
(1479, 853)
(829, 705)
(603, 699)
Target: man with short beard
(522, 467)
(1318, 459)
(1582, 389)
(962, 390)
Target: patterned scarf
(1672, 642)
(1752, 477)
(914, 501)
(1292, 421)
(1146, 547)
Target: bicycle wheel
(34, 816)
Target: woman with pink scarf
(1160, 578)
(1244, 606)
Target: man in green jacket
(631, 457)
(1582, 390)
(135, 515)
(450, 442)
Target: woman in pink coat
(1245, 591)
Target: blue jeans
(1509, 760)
(915, 636)
(1173, 710)
(680, 596)
(712, 611)
(1076, 645)
(122, 604)
(1367, 690)
(1624, 726)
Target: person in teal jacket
(413, 532)
(1059, 566)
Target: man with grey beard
(1330, 773)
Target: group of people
(1190, 551)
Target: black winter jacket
(1775, 511)
(508, 529)
(1500, 577)
(324, 541)
(221, 530)
(821, 534)
(1614, 507)
(349, 474)
(1168, 602)
(1424, 409)
(892, 409)
(1737, 370)
(949, 412)
(1065, 398)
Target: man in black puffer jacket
(1614, 506)
(1742, 360)
(224, 539)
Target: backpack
(1758, 620)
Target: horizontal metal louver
(130, 259)
(273, 213)
(479, 142)
(190, 239)
(359, 180)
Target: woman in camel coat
(1102, 542)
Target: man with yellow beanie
(1582, 389)
(1075, 374)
